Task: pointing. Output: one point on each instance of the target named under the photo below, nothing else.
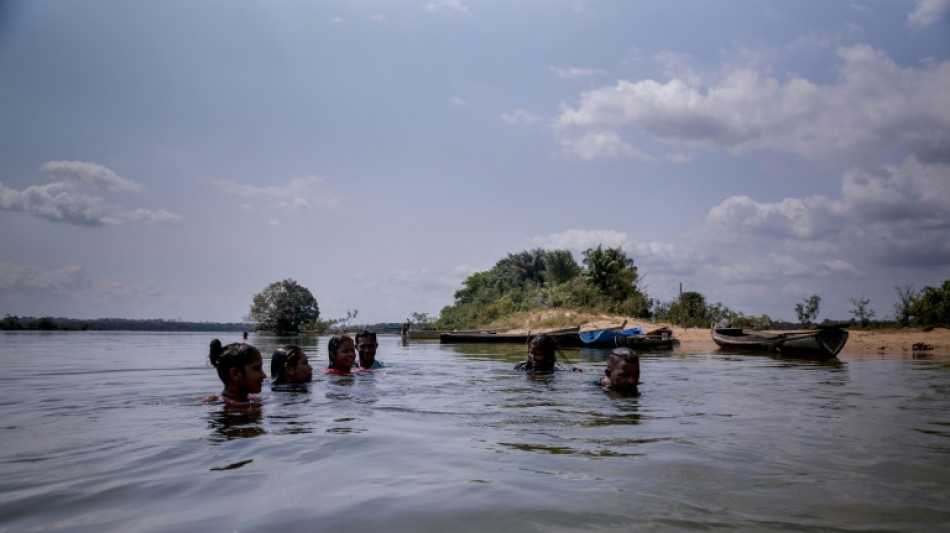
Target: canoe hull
(824, 343)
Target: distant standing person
(541, 356)
(622, 372)
(342, 355)
(366, 347)
(240, 368)
(289, 364)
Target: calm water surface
(104, 431)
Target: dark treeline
(13, 322)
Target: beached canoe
(564, 337)
(646, 342)
(821, 343)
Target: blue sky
(170, 159)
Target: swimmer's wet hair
(234, 355)
(623, 354)
(287, 354)
(547, 344)
(365, 333)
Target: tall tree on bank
(284, 306)
(611, 271)
(807, 311)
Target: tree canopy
(284, 306)
(548, 279)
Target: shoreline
(894, 342)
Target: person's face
(367, 349)
(624, 375)
(538, 359)
(301, 371)
(253, 376)
(345, 356)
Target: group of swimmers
(241, 367)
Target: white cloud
(449, 6)
(457, 101)
(578, 240)
(520, 117)
(597, 144)
(155, 216)
(296, 194)
(92, 174)
(61, 202)
(748, 110)
(894, 215)
(15, 276)
(928, 12)
(336, 21)
(574, 73)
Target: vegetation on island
(607, 282)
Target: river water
(104, 431)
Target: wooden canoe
(822, 343)
(564, 337)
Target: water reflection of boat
(820, 343)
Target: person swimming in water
(622, 372)
(289, 364)
(366, 347)
(541, 356)
(342, 355)
(240, 368)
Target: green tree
(860, 310)
(611, 271)
(932, 306)
(560, 267)
(283, 306)
(903, 309)
(807, 311)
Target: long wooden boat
(820, 343)
(646, 342)
(564, 337)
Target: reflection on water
(450, 437)
(235, 422)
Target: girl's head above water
(289, 364)
(240, 368)
(342, 353)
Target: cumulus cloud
(296, 194)
(928, 12)
(15, 276)
(900, 215)
(574, 73)
(61, 201)
(750, 110)
(92, 174)
(448, 6)
(519, 117)
(601, 143)
(578, 240)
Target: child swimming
(342, 355)
(541, 356)
(240, 368)
(622, 372)
(289, 364)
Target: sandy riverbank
(898, 342)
